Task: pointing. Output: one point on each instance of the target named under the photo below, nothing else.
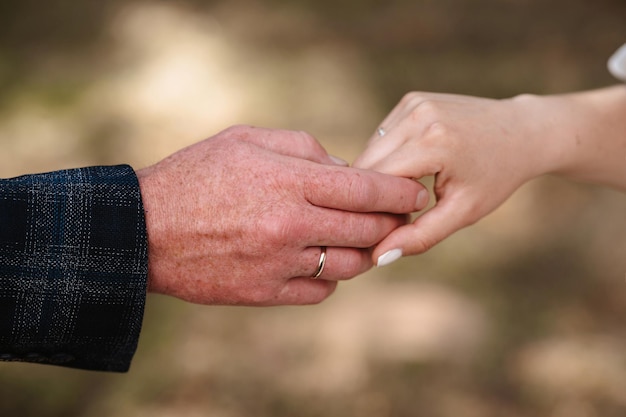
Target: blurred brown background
(520, 315)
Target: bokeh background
(519, 315)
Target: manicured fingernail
(389, 257)
(339, 161)
(422, 199)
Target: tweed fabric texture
(73, 268)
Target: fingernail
(339, 161)
(422, 199)
(389, 257)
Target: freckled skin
(239, 218)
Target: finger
(318, 226)
(428, 230)
(296, 144)
(363, 191)
(379, 146)
(409, 162)
(341, 263)
(401, 112)
(405, 140)
(378, 150)
(412, 119)
(398, 113)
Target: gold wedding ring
(320, 264)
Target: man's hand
(240, 217)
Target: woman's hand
(481, 150)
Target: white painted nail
(389, 257)
(339, 161)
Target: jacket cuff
(73, 268)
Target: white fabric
(617, 63)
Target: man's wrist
(147, 191)
(156, 212)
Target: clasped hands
(240, 218)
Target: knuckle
(274, 229)
(306, 138)
(425, 109)
(438, 130)
(241, 132)
(237, 130)
(310, 144)
(411, 98)
(436, 120)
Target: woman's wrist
(542, 133)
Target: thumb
(428, 230)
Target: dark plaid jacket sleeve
(73, 268)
